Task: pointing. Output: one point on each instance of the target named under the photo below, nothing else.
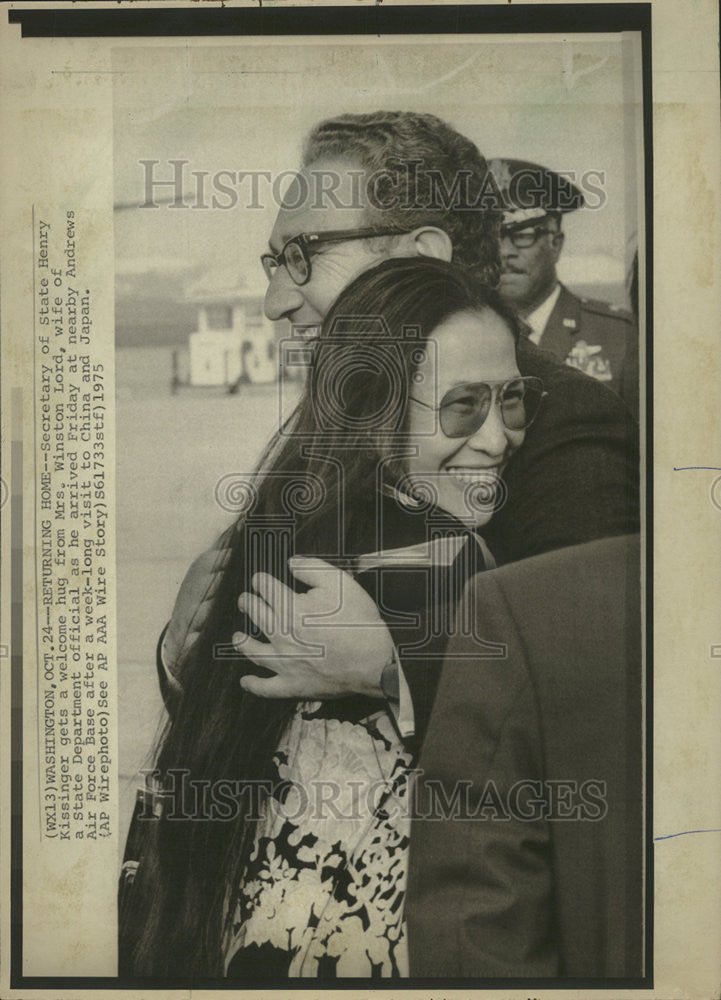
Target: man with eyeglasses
(595, 337)
(574, 480)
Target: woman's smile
(470, 347)
(468, 476)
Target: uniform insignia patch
(570, 323)
(587, 358)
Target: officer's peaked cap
(530, 191)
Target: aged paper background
(58, 152)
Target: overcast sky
(569, 104)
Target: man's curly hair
(425, 172)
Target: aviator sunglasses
(296, 253)
(464, 409)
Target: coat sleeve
(479, 899)
(558, 891)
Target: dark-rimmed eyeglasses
(296, 253)
(464, 409)
(524, 238)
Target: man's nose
(491, 437)
(507, 248)
(283, 297)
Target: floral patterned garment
(323, 892)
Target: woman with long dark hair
(277, 839)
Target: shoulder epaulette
(606, 309)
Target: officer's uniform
(593, 336)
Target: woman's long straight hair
(352, 410)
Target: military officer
(595, 337)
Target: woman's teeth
(471, 476)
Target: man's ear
(557, 242)
(430, 241)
